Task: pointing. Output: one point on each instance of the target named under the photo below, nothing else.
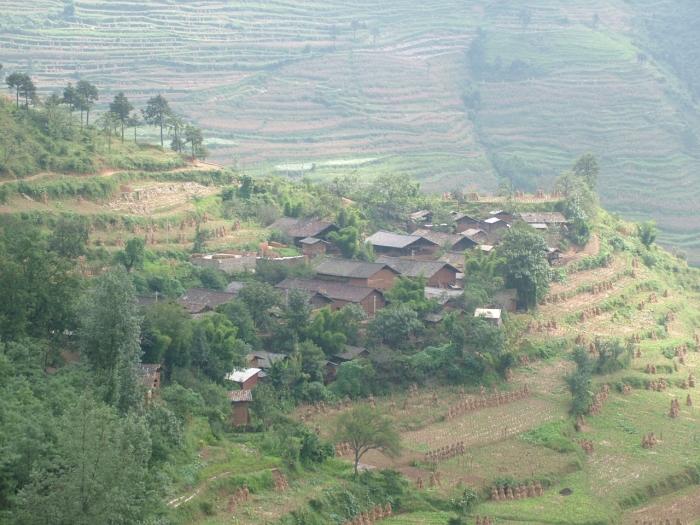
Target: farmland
(320, 87)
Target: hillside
(332, 88)
(627, 306)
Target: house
(453, 242)
(350, 353)
(247, 378)
(442, 295)
(339, 294)
(313, 246)
(200, 300)
(549, 218)
(476, 235)
(240, 407)
(491, 315)
(357, 273)
(493, 225)
(421, 217)
(464, 222)
(263, 359)
(298, 229)
(505, 216)
(235, 286)
(438, 274)
(396, 244)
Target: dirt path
(197, 166)
(181, 500)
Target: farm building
(505, 216)
(421, 217)
(313, 246)
(350, 353)
(549, 218)
(357, 273)
(397, 245)
(338, 294)
(226, 262)
(200, 300)
(298, 229)
(453, 242)
(492, 315)
(263, 359)
(240, 405)
(464, 222)
(476, 235)
(247, 378)
(493, 225)
(438, 274)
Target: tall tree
(193, 137)
(156, 113)
(109, 337)
(134, 122)
(28, 90)
(108, 124)
(16, 81)
(133, 254)
(121, 108)
(87, 95)
(524, 252)
(365, 429)
(97, 474)
(587, 168)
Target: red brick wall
(382, 280)
(250, 383)
(443, 278)
(239, 414)
(373, 303)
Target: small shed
(264, 359)
(247, 378)
(492, 315)
(240, 407)
(350, 353)
(313, 246)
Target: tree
(260, 298)
(134, 122)
(15, 81)
(166, 335)
(215, 348)
(587, 168)
(27, 90)
(646, 231)
(97, 474)
(193, 137)
(109, 337)
(70, 98)
(121, 108)
(365, 429)
(395, 324)
(108, 124)
(176, 126)
(133, 254)
(410, 291)
(297, 313)
(579, 382)
(87, 95)
(156, 113)
(69, 237)
(525, 264)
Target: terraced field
(330, 88)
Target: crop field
(322, 85)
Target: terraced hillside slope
(456, 93)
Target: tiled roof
(440, 238)
(240, 396)
(330, 289)
(301, 227)
(196, 300)
(241, 376)
(393, 240)
(349, 268)
(411, 268)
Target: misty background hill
(460, 94)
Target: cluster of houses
(427, 252)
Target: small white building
(492, 315)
